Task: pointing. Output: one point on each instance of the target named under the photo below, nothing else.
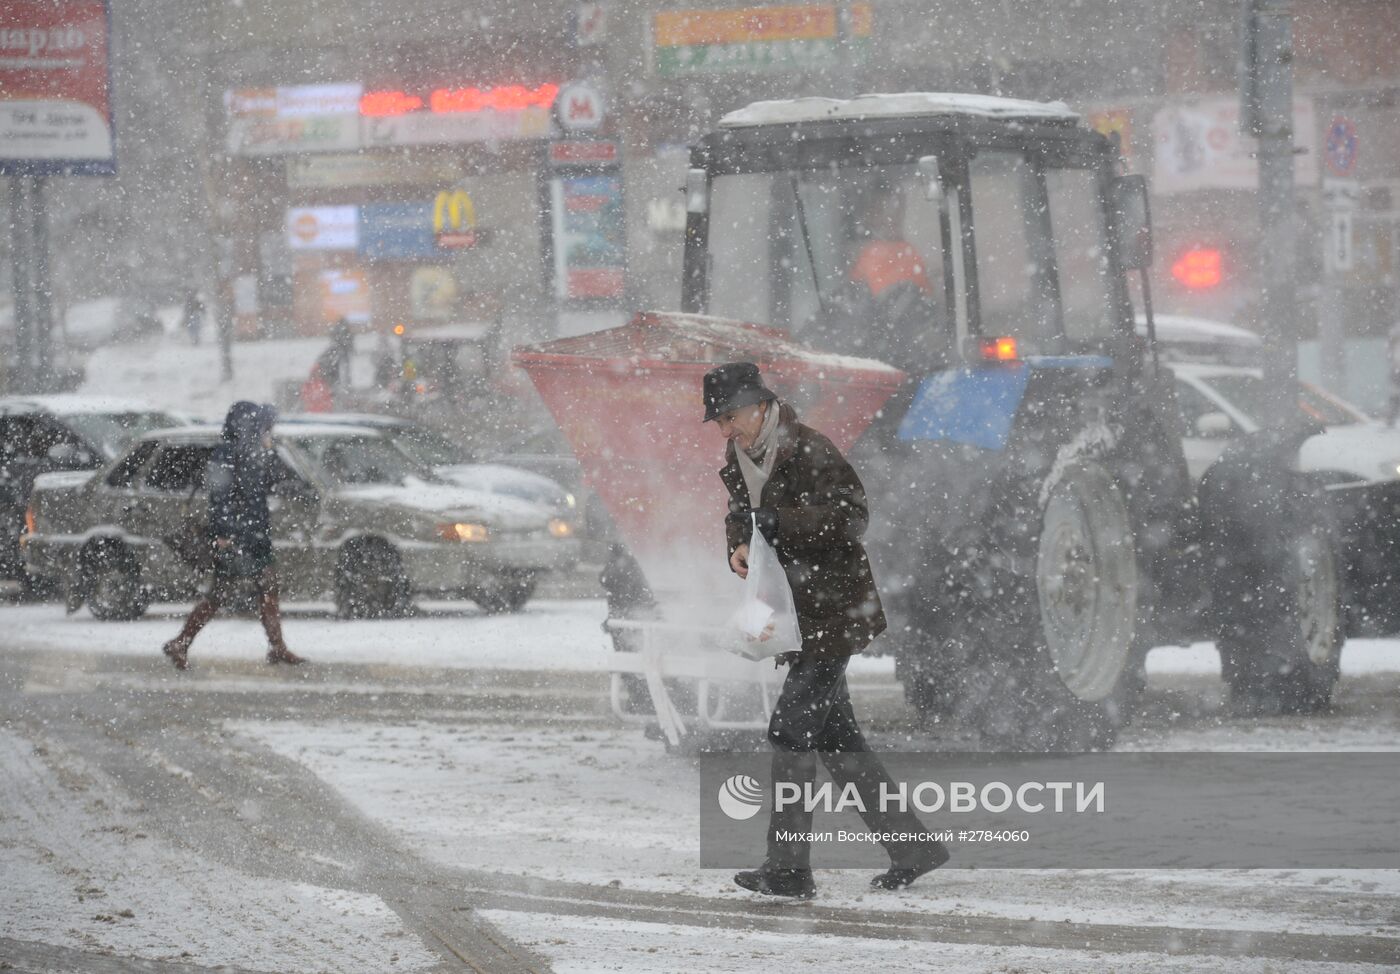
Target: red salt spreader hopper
(628, 400)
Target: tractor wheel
(1056, 666)
(370, 582)
(1281, 640)
(112, 580)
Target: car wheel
(112, 580)
(505, 593)
(370, 582)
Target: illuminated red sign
(447, 101)
(1198, 268)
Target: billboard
(323, 227)
(759, 39)
(590, 237)
(1199, 146)
(55, 88)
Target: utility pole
(1267, 115)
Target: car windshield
(1247, 393)
(346, 460)
(428, 448)
(111, 432)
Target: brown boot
(178, 649)
(270, 611)
(178, 652)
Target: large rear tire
(1281, 642)
(1039, 647)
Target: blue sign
(1343, 145)
(398, 231)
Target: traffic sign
(1343, 145)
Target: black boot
(898, 877)
(796, 883)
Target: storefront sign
(759, 39)
(591, 21)
(343, 170)
(397, 231)
(344, 293)
(55, 88)
(432, 293)
(454, 220)
(323, 227)
(590, 237)
(583, 153)
(580, 107)
(428, 128)
(1199, 146)
(299, 118)
(1114, 122)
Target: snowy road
(448, 793)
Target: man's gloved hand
(767, 521)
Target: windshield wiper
(807, 245)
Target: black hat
(731, 386)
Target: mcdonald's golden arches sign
(454, 219)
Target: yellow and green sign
(760, 39)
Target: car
(453, 462)
(1356, 462)
(1184, 338)
(44, 434)
(355, 516)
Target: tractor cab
(927, 231)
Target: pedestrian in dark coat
(241, 476)
(810, 506)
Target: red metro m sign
(580, 107)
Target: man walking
(809, 504)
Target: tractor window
(743, 255)
(850, 260)
(1014, 270)
(1076, 221)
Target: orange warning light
(1198, 268)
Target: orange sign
(686, 28)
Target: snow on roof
(906, 104)
(73, 405)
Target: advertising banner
(1199, 146)
(398, 231)
(480, 125)
(297, 118)
(55, 88)
(758, 39)
(590, 237)
(344, 170)
(344, 294)
(323, 227)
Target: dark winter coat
(822, 515)
(241, 476)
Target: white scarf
(763, 451)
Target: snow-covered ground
(547, 819)
(171, 373)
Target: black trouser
(813, 717)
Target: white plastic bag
(766, 616)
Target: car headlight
(570, 501)
(462, 531)
(560, 528)
(1390, 470)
